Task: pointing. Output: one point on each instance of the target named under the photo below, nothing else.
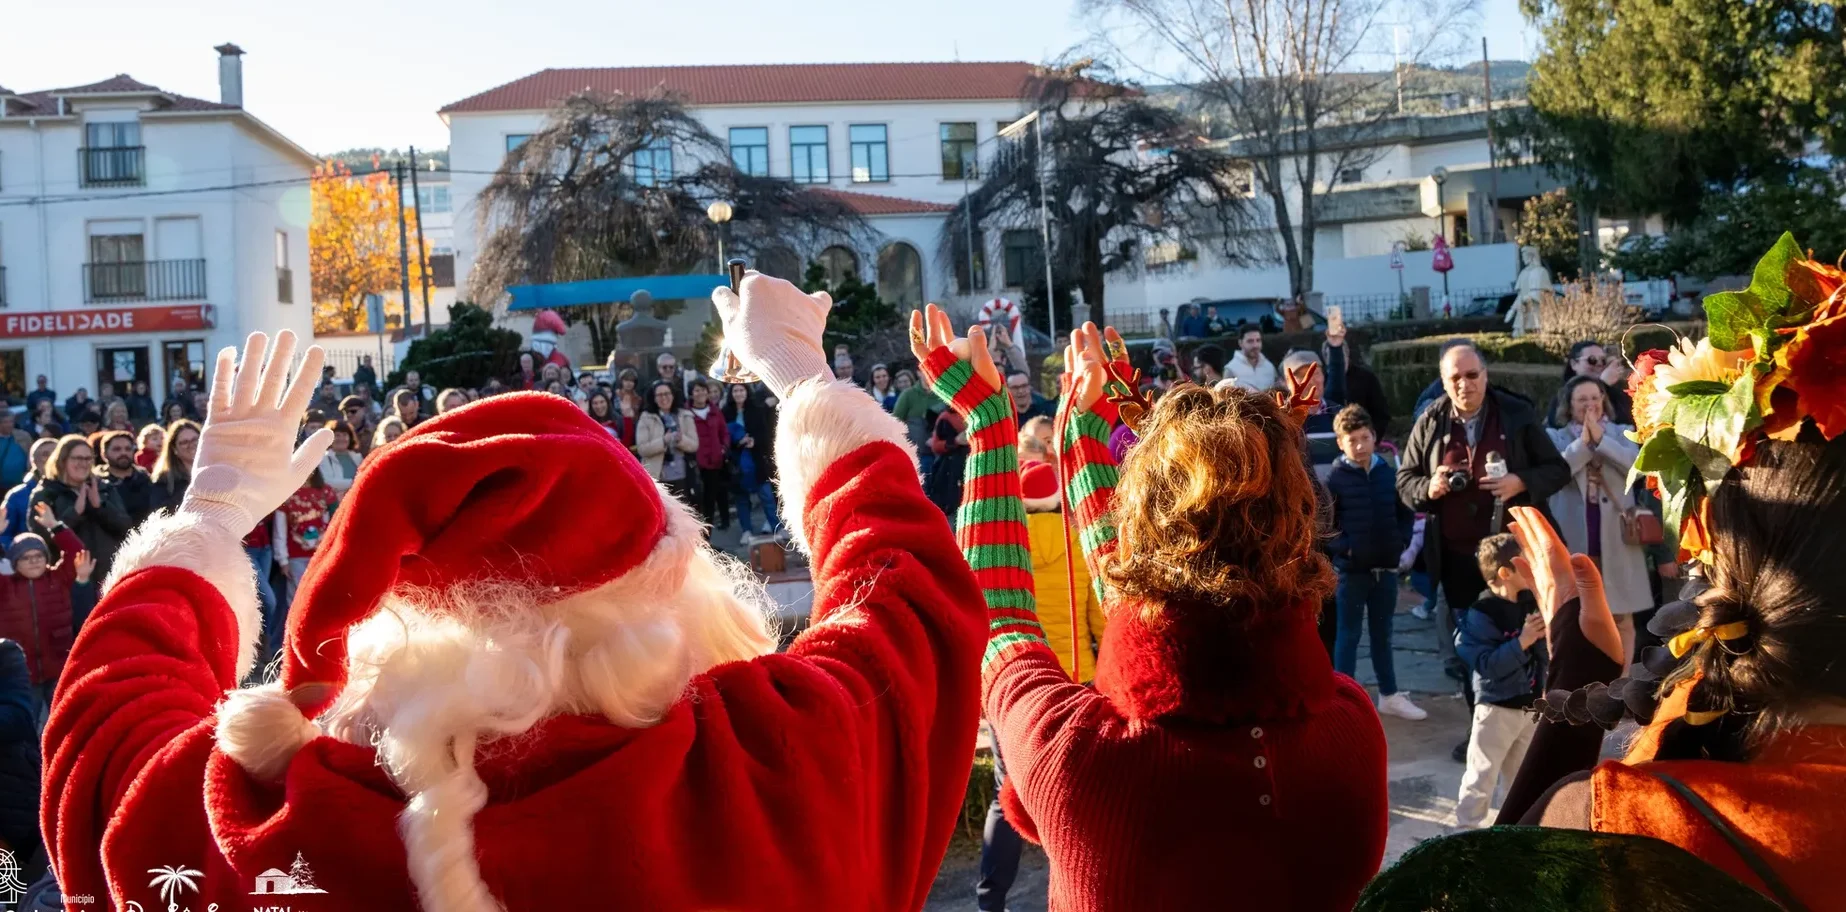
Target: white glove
(247, 463)
(775, 330)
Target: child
(36, 601)
(1502, 638)
(1371, 529)
(305, 515)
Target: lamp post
(720, 214)
(1441, 176)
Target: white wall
(44, 247)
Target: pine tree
(301, 875)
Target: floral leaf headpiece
(1772, 362)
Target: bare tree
(1306, 85)
(1122, 172)
(592, 195)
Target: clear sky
(373, 73)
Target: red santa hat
(549, 321)
(458, 500)
(1038, 480)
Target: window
(839, 264)
(750, 150)
(1020, 260)
(900, 276)
(807, 152)
(433, 198)
(1351, 176)
(123, 135)
(285, 277)
(979, 242)
(515, 140)
(117, 267)
(958, 152)
(870, 156)
(653, 163)
(112, 154)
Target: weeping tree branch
(581, 199)
(1123, 172)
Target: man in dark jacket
(1443, 473)
(128, 481)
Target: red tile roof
(764, 84)
(874, 204)
(45, 103)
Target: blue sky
(374, 73)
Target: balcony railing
(154, 280)
(112, 166)
(285, 285)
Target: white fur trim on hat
(821, 422)
(191, 542)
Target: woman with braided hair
(1742, 760)
(1218, 762)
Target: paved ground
(1424, 779)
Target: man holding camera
(1450, 469)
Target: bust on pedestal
(1529, 289)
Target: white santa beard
(433, 675)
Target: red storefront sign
(105, 320)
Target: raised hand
(937, 349)
(1558, 576)
(1088, 365)
(248, 463)
(85, 566)
(41, 514)
(774, 329)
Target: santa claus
(547, 328)
(476, 712)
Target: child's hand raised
(85, 565)
(41, 514)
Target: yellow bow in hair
(1685, 642)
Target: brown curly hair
(1217, 504)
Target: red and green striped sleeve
(1090, 478)
(990, 526)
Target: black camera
(1458, 480)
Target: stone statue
(1529, 289)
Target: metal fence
(153, 280)
(1370, 308)
(346, 360)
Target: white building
(891, 139)
(141, 230)
(900, 142)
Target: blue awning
(605, 291)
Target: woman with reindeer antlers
(1217, 744)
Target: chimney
(230, 74)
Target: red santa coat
(829, 776)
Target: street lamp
(1441, 176)
(720, 214)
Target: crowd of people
(1152, 588)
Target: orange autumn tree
(353, 247)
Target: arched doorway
(900, 276)
(780, 262)
(839, 263)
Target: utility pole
(403, 249)
(1044, 222)
(1493, 167)
(423, 251)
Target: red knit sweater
(1210, 767)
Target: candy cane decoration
(1004, 307)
